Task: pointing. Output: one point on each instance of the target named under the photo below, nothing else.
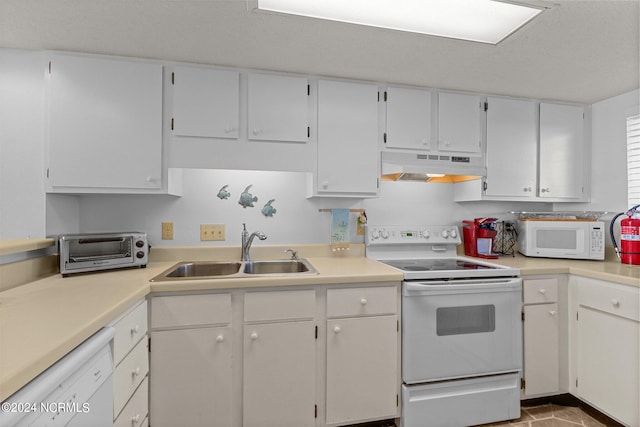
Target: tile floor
(551, 415)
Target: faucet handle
(294, 254)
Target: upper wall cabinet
(205, 102)
(408, 118)
(459, 123)
(348, 162)
(511, 148)
(562, 153)
(278, 108)
(104, 125)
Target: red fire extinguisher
(629, 251)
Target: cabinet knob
(254, 336)
(527, 189)
(229, 129)
(552, 312)
(423, 141)
(135, 420)
(545, 190)
(135, 329)
(257, 131)
(542, 291)
(615, 302)
(363, 301)
(336, 329)
(325, 184)
(220, 338)
(135, 372)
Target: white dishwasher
(76, 391)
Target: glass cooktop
(437, 264)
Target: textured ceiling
(580, 51)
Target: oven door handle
(479, 285)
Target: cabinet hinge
(484, 186)
(316, 331)
(486, 106)
(576, 382)
(308, 131)
(523, 384)
(384, 137)
(397, 326)
(522, 315)
(47, 173)
(308, 89)
(173, 78)
(577, 313)
(377, 182)
(172, 123)
(49, 67)
(315, 411)
(397, 400)
(149, 344)
(385, 96)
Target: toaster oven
(81, 253)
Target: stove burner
(445, 264)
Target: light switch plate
(212, 232)
(167, 231)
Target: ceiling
(577, 51)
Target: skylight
(484, 21)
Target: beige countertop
(43, 320)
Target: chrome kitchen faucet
(247, 240)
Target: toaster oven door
(97, 253)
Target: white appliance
(77, 391)
(461, 328)
(561, 239)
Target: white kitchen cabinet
(362, 354)
(104, 129)
(191, 360)
(459, 123)
(408, 116)
(606, 347)
(206, 102)
(348, 159)
(562, 151)
(279, 387)
(278, 108)
(541, 336)
(512, 148)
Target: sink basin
(233, 269)
(278, 267)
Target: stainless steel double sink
(190, 270)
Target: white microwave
(561, 239)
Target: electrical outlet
(167, 231)
(212, 232)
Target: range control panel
(390, 234)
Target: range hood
(431, 167)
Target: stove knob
(454, 233)
(375, 234)
(384, 234)
(445, 234)
(425, 234)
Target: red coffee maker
(478, 237)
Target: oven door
(460, 328)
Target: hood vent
(431, 167)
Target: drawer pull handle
(336, 329)
(254, 336)
(552, 312)
(615, 302)
(542, 291)
(219, 338)
(363, 301)
(135, 329)
(135, 420)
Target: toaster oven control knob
(140, 254)
(139, 243)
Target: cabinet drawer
(190, 310)
(129, 374)
(621, 300)
(362, 301)
(135, 412)
(279, 305)
(128, 331)
(537, 291)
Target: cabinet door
(541, 351)
(561, 151)
(191, 377)
(279, 375)
(459, 123)
(278, 108)
(607, 358)
(408, 118)
(347, 138)
(511, 148)
(105, 123)
(206, 102)
(362, 369)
